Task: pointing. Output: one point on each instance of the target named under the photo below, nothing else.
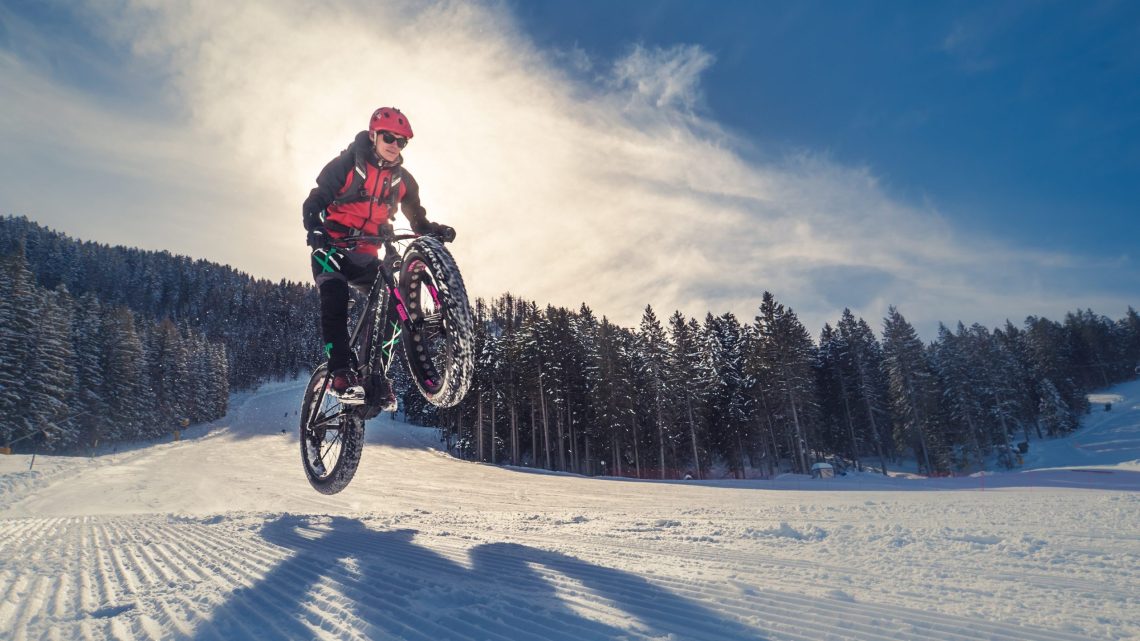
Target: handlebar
(373, 239)
(384, 237)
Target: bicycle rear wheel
(332, 437)
(439, 346)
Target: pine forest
(101, 344)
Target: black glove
(318, 238)
(442, 232)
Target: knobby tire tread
(461, 328)
(352, 442)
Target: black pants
(333, 276)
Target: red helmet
(390, 119)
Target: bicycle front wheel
(332, 436)
(439, 345)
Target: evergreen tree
(88, 404)
(217, 382)
(1096, 361)
(1013, 342)
(49, 390)
(1050, 355)
(574, 354)
(657, 378)
(558, 365)
(864, 357)
(537, 371)
(19, 308)
(1055, 414)
(729, 404)
(787, 349)
(913, 393)
(999, 384)
(168, 364)
(957, 372)
(1129, 332)
(691, 384)
(126, 389)
(594, 439)
(837, 397)
(632, 430)
(481, 445)
(613, 405)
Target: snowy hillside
(219, 536)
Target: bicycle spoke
(323, 419)
(331, 436)
(329, 419)
(326, 451)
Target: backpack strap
(393, 193)
(356, 192)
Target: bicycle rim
(437, 346)
(331, 437)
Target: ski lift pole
(43, 430)
(35, 446)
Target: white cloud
(666, 78)
(615, 192)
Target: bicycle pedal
(352, 397)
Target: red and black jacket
(357, 192)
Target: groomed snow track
(220, 537)
(303, 577)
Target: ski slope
(219, 536)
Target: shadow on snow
(386, 586)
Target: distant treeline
(103, 343)
(110, 343)
(564, 390)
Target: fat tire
(351, 431)
(454, 365)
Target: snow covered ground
(219, 536)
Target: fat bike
(417, 305)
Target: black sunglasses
(390, 138)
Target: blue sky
(963, 161)
(1018, 118)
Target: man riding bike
(357, 193)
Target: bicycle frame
(377, 324)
